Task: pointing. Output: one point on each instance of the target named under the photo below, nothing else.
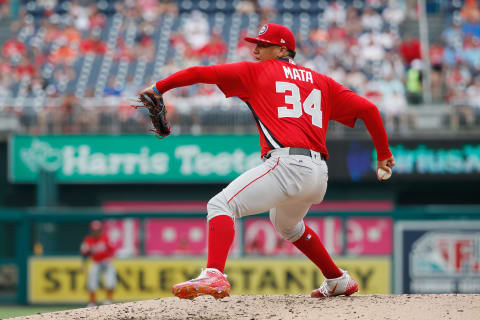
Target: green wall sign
(132, 158)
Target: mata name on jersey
(297, 74)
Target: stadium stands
(67, 56)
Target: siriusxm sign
(424, 159)
(427, 159)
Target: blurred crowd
(62, 58)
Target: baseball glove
(158, 113)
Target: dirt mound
(424, 306)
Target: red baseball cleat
(210, 282)
(344, 285)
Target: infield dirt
(421, 306)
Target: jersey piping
(272, 142)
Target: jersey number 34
(311, 105)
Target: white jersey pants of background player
(286, 185)
(95, 271)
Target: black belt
(297, 151)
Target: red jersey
(100, 249)
(292, 105)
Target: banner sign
(125, 236)
(62, 280)
(420, 159)
(143, 158)
(188, 237)
(181, 237)
(365, 236)
(437, 256)
(369, 236)
(132, 158)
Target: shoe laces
(324, 289)
(328, 284)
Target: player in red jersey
(292, 106)
(99, 248)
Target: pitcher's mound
(420, 306)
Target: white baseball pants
(287, 185)
(94, 272)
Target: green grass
(18, 311)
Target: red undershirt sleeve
(187, 77)
(230, 78)
(347, 107)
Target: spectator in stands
(337, 71)
(215, 49)
(4, 9)
(113, 88)
(13, 48)
(410, 49)
(371, 20)
(247, 7)
(392, 64)
(64, 54)
(37, 86)
(5, 86)
(80, 15)
(131, 88)
(149, 9)
(393, 14)
(473, 95)
(244, 49)
(336, 39)
(167, 6)
(24, 70)
(72, 35)
(267, 9)
(453, 35)
(52, 32)
(436, 60)
(63, 74)
(414, 82)
(96, 19)
(122, 51)
(471, 50)
(196, 30)
(319, 37)
(468, 108)
(5, 67)
(93, 45)
(354, 26)
(372, 49)
(470, 13)
(394, 103)
(355, 80)
(335, 13)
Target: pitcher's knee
(293, 233)
(218, 206)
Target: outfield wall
(403, 251)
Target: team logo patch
(263, 30)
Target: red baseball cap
(275, 34)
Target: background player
(97, 245)
(292, 107)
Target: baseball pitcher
(99, 248)
(292, 107)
